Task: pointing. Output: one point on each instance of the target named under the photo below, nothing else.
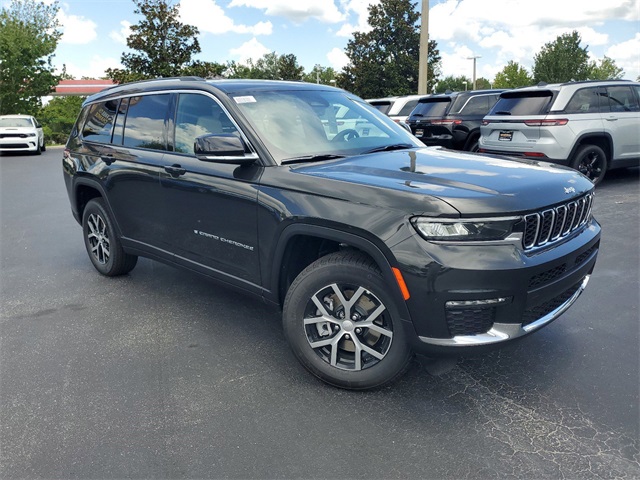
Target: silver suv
(591, 126)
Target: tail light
(547, 123)
(446, 121)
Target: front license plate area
(419, 132)
(505, 135)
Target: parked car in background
(397, 108)
(591, 126)
(21, 133)
(452, 120)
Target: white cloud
(338, 59)
(518, 29)
(122, 35)
(209, 17)
(297, 10)
(76, 30)
(359, 9)
(95, 68)
(252, 49)
(627, 56)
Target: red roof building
(82, 87)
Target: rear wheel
(591, 161)
(103, 245)
(342, 323)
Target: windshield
(15, 122)
(523, 103)
(311, 123)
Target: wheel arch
(86, 189)
(602, 140)
(300, 245)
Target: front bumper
(463, 297)
(18, 144)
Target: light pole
(423, 56)
(474, 58)
(465, 86)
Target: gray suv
(591, 126)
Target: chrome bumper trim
(501, 332)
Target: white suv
(397, 108)
(21, 133)
(591, 126)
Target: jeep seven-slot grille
(556, 223)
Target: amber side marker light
(401, 284)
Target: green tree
(482, 84)
(320, 74)
(58, 117)
(562, 60)
(454, 84)
(163, 46)
(288, 67)
(204, 69)
(513, 75)
(605, 69)
(384, 61)
(29, 36)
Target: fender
(602, 136)
(88, 181)
(379, 253)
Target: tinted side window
(145, 123)
(584, 100)
(408, 108)
(99, 122)
(198, 115)
(477, 106)
(621, 99)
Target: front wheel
(342, 323)
(102, 243)
(591, 161)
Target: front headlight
(485, 229)
(31, 134)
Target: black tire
(38, 150)
(44, 147)
(366, 350)
(472, 145)
(102, 243)
(591, 161)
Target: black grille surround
(551, 225)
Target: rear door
(622, 121)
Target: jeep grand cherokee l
(452, 120)
(592, 126)
(373, 246)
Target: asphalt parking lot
(161, 374)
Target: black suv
(452, 120)
(373, 246)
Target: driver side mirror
(223, 148)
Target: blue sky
(317, 31)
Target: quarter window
(145, 123)
(100, 122)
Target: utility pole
(423, 71)
(474, 58)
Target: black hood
(471, 183)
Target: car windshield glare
(15, 122)
(297, 123)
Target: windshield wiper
(388, 148)
(311, 158)
(502, 112)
